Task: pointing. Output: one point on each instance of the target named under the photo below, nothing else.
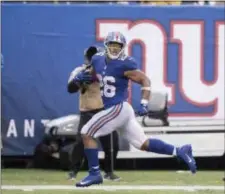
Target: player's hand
(143, 110)
(83, 77)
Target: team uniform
(118, 113)
(110, 69)
(90, 103)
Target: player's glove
(143, 109)
(83, 77)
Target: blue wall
(41, 44)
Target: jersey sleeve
(130, 65)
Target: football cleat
(91, 179)
(185, 153)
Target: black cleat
(111, 176)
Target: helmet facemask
(114, 49)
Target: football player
(90, 103)
(114, 69)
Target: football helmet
(115, 43)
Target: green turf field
(48, 182)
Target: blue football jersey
(113, 83)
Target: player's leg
(78, 156)
(134, 132)
(102, 123)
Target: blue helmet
(118, 38)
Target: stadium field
(29, 181)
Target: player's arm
(74, 85)
(140, 78)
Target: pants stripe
(108, 120)
(103, 118)
(99, 120)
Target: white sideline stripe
(111, 187)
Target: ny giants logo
(189, 66)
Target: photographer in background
(90, 103)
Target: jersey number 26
(106, 85)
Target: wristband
(146, 88)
